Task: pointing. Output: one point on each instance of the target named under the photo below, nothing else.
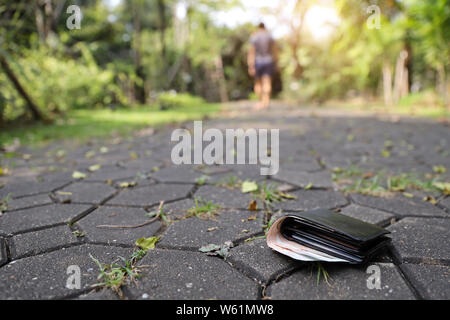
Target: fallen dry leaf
(253, 206)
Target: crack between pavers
(48, 250)
(396, 215)
(40, 193)
(427, 261)
(74, 295)
(30, 207)
(280, 277)
(45, 251)
(109, 244)
(415, 291)
(40, 228)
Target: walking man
(262, 61)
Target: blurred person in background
(262, 63)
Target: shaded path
(51, 218)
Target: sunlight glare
(321, 21)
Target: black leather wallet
(336, 235)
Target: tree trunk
(387, 83)
(40, 22)
(20, 89)
(162, 27)
(442, 84)
(401, 77)
(221, 79)
(139, 88)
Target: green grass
(85, 124)
(382, 183)
(423, 104)
(114, 276)
(203, 209)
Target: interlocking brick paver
(45, 276)
(35, 242)
(224, 197)
(302, 179)
(432, 281)
(346, 283)
(3, 256)
(400, 205)
(229, 225)
(312, 199)
(367, 214)
(26, 219)
(151, 195)
(421, 238)
(257, 260)
(27, 202)
(181, 274)
(85, 192)
(47, 204)
(116, 216)
(29, 188)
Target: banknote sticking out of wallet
(324, 235)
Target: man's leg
(266, 87)
(258, 88)
(258, 92)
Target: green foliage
(203, 209)
(171, 100)
(57, 83)
(383, 183)
(85, 124)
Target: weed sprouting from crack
(4, 203)
(119, 273)
(382, 184)
(161, 214)
(203, 209)
(229, 182)
(322, 272)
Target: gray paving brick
(181, 173)
(258, 261)
(231, 225)
(3, 256)
(117, 216)
(421, 238)
(29, 188)
(347, 283)
(45, 276)
(35, 242)
(367, 214)
(151, 195)
(320, 179)
(27, 202)
(432, 281)
(312, 199)
(21, 220)
(224, 197)
(191, 275)
(114, 173)
(400, 205)
(85, 192)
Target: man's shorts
(263, 69)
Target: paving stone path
(52, 219)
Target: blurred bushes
(57, 83)
(172, 100)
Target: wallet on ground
(325, 235)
